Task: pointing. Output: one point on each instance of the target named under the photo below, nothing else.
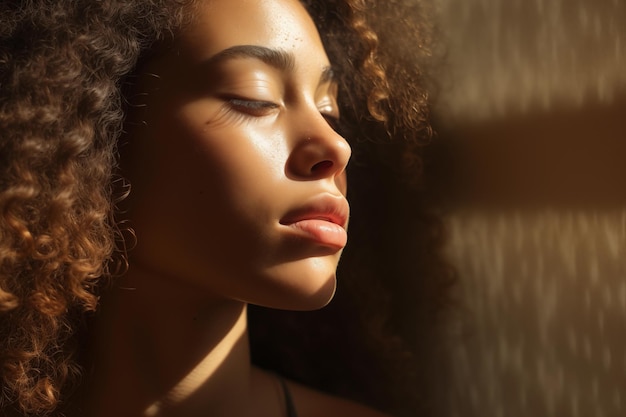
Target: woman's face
(237, 176)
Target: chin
(303, 285)
(319, 298)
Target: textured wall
(533, 109)
(542, 326)
(524, 54)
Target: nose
(319, 151)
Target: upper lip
(334, 209)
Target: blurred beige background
(532, 124)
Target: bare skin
(238, 197)
(192, 359)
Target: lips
(323, 220)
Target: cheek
(247, 157)
(228, 181)
(238, 146)
(240, 176)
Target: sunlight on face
(237, 174)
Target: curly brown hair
(63, 64)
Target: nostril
(321, 166)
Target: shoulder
(313, 403)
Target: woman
(233, 145)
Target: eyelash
(252, 107)
(261, 108)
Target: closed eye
(251, 106)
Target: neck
(169, 351)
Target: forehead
(283, 25)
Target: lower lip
(323, 232)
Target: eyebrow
(282, 60)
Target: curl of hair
(60, 66)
